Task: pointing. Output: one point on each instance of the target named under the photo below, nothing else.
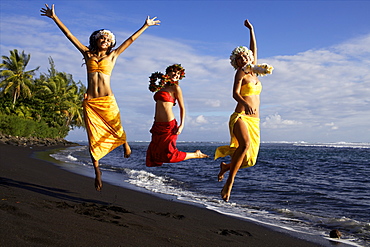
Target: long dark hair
(92, 43)
(175, 68)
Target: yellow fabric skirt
(253, 125)
(103, 125)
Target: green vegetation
(46, 107)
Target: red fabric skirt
(162, 148)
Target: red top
(164, 96)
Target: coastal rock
(33, 141)
(335, 234)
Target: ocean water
(299, 188)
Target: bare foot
(98, 182)
(225, 192)
(126, 150)
(223, 169)
(201, 155)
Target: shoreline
(44, 205)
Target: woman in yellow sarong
(244, 122)
(102, 118)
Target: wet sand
(44, 205)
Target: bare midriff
(253, 101)
(98, 85)
(163, 111)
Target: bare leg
(196, 155)
(242, 135)
(223, 169)
(126, 150)
(98, 181)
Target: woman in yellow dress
(244, 122)
(102, 117)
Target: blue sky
(319, 91)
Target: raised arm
(51, 14)
(149, 22)
(253, 42)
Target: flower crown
(176, 67)
(107, 33)
(236, 52)
(158, 80)
(258, 69)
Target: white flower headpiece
(259, 69)
(236, 52)
(107, 33)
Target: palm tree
(63, 97)
(14, 79)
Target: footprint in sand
(227, 232)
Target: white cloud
(275, 121)
(310, 91)
(317, 87)
(213, 103)
(331, 125)
(196, 122)
(201, 120)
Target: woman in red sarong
(162, 148)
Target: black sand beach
(44, 205)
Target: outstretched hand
(152, 22)
(48, 12)
(248, 24)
